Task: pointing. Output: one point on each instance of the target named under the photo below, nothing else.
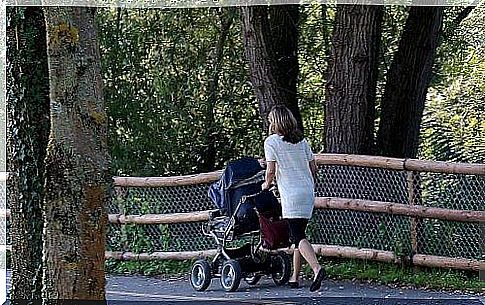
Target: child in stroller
(244, 213)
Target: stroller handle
(273, 188)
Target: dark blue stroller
(250, 218)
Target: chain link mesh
(332, 227)
(3, 206)
(448, 238)
(164, 237)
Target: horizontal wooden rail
(401, 164)
(4, 248)
(158, 255)
(356, 253)
(448, 262)
(444, 167)
(167, 181)
(359, 160)
(390, 257)
(321, 159)
(159, 218)
(320, 203)
(324, 250)
(399, 209)
(4, 213)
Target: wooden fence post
(414, 198)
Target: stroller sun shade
(240, 177)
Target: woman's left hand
(265, 186)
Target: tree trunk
(77, 177)
(407, 83)
(28, 132)
(271, 44)
(350, 108)
(352, 79)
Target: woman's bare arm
(270, 174)
(313, 169)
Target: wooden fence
(416, 212)
(411, 210)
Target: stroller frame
(228, 234)
(249, 262)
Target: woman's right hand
(265, 186)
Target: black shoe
(317, 283)
(294, 284)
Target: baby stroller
(250, 219)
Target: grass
(162, 267)
(337, 269)
(409, 276)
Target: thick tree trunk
(407, 83)
(28, 132)
(352, 79)
(271, 44)
(350, 106)
(77, 177)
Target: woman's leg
(296, 265)
(309, 255)
(297, 231)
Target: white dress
(293, 175)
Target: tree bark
(407, 83)
(271, 44)
(28, 131)
(352, 79)
(77, 177)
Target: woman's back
(293, 175)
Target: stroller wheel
(231, 275)
(253, 280)
(281, 268)
(200, 275)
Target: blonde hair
(283, 122)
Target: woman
(289, 158)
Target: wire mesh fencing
(402, 235)
(3, 218)
(159, 237)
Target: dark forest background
(179, 94)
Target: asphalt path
(140, 290)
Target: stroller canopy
(240, 177)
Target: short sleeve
(308, 151)
(269, 150)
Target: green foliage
(165, 267)
(392, 26)
(315, 27)
(419, 277)
(157, 76)
(453, 127)
(157, 87)
(163, 117)
(158, 66)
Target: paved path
(140, 290)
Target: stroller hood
(244, 172)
